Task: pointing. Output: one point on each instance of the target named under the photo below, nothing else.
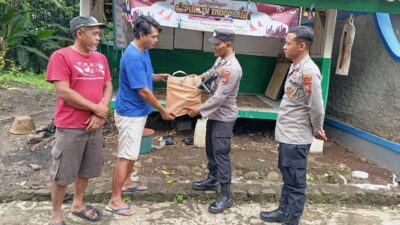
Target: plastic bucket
(147, 140)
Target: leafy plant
(309, 201)
(344, 168)
(31, 30)
(318, 178)
(108, 34)
(179, 198)
(333, 177)
(310, 176)
(339, 204)
(127, 199)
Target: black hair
(143, 25)
(303, 33)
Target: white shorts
(130, 132)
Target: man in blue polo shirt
(135, 101)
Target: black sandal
(94, 215)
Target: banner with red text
(246, 18)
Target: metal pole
(85, 7)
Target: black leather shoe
(210, 184)
(291, 221)
(222, 203)
(224, 200)
(275, 216)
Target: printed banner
(247, 18)
(120, 24)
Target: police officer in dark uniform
(300, 119)
(221, 111)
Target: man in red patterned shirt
(83, 84)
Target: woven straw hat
(22, 125)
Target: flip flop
(118, 210)
(136, 187)
(91, 217)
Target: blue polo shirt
(135, 72)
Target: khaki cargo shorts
(130, 132)
(76, 153)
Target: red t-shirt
(86, 74)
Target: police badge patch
(290, 91)
(307, 83)
(225, 76)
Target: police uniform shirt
(221, 105)
(301, 111)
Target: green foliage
(108, 34)
(127, 199)
(344, 168)
(339, 204)
(210, 199)
(333, 177)
(310, 176)
(24, 77)
(309, 201)
(30, 30)
(179, 198)
(318, 178)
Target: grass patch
(23, 77)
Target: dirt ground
(254, 153)
(193, 213)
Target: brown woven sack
(181, 92)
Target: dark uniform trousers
(292, 164)
(218, 147)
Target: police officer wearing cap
(221, 111)
(300, 119)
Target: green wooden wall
(257, 70)
(324, 65)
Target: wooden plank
(277, 79)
